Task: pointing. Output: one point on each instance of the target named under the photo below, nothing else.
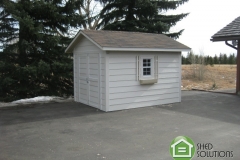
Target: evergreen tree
(34, 36)
(211, 61)
(184, 60)
(141, 16)
(234, 59)
(197, 57)
(215, 59)
(225, 59)
(231, 59)
(190, 58)
(220, 58)
(207, 60)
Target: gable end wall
(87, 47)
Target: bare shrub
(198, 66)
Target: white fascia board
(145, 49)
(76, 37)
(70, 45)
(92, 41)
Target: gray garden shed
(116, 70)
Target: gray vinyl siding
(87, 47)
(126, 92)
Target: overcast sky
(205, 19)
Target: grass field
(215, 77)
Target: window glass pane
(149, 71)
(146, 67)
(146, 62)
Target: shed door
(89, 80)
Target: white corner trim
(180, 77)
(74, 80)
(145, 49)
(100, 80)
(107, 81)
(137, 68)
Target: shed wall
(126, 92)
(81, 51)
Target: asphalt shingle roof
(230, 32)
(120, 39)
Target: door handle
(87, 80)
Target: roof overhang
(145, 49)
(79, 36)
(227, 38)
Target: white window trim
(154, 68)
(144, 77)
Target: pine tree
(141, 16)
(230, 59)
(207, 60)
(34, 34)
(211, 61)
(220, 58)
(191, 58)
(234, 59)
(183, 60)
(225, 59)
(215, 59)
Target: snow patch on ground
(36, 99)
(39, 99)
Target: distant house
(120, 70)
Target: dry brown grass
(215, 78)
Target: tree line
(35, 33)
(192, 58)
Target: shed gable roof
(230, 32)
(119, 40)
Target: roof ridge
(124, 32)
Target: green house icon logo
(182, 148)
